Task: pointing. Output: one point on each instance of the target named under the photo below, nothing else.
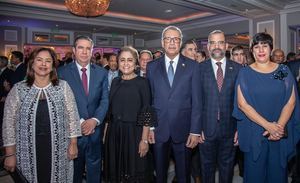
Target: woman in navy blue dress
(267, 109)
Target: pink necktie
(84, 80)
(219, 76)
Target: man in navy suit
(20, 68)
(295, 69)
(218, 127)
(90, 87)
(174, 81)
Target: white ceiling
(138, 17)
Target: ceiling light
(168, 11)
(87, 8)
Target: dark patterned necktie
(171, 73)
(84, 80)
(219, 76)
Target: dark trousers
(1, 121)
(182, 156)
(217, 152)
(267, 168)
(296, 170)
(89, 158)
(196, 163)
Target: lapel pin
(183, 65)
(230, 68)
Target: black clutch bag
(17, 176)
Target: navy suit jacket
(294, 67)
(6, 75)
(19, 73)
(177, 107)
(96, 103)
(213, 100)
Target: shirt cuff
(98, 122)
(152, 128)
(195, 134)
(81, 120)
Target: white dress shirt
(215, 66)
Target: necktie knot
(219, 64)
(83, 69)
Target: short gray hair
(171, 27)
(146, 51)
(215, 32)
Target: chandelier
(87, 8)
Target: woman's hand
(72, 151)
(10, 163)
(143, 148)
(274, 131)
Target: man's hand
(192, 141)
(88, 126)
(236, 139)
(201, 138)
(151, 137)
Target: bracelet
(9, 155)
(145, 141)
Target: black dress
(43, 142)
(129, 110)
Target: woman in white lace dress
(41, 123)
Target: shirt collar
(167, 59)
(223, 60)
(80, 67)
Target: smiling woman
(267, 108)
(41, 123)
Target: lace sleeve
(147, 117)
(72, 112)
(12, 104)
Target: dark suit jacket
(211, 99)
(6, 75)
(19, 73)
(96, 103)
(294, 67)
(177, 107)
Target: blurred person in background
(189, 49)
(200, 56)
(238, 55)
(157, 54)
(278, 56)
(145, 57)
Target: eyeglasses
(170, 39)
(214, 43)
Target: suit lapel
(76, 76)
(163, 72)
(228, 74)
(212, 76)
(179, 71)
(92, 80)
